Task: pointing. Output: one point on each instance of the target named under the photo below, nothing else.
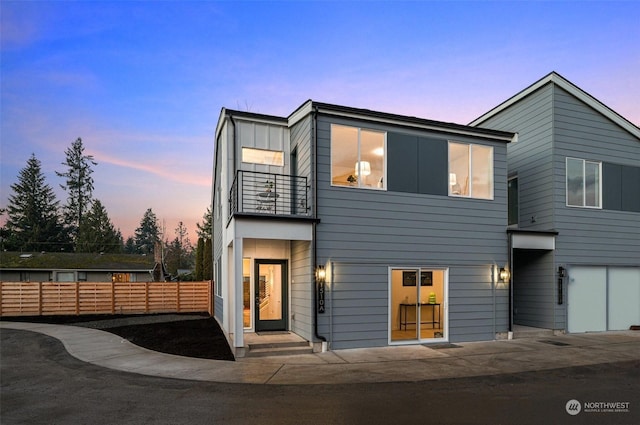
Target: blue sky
(143, 82)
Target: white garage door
(624, 297)
(603, 298)
(587, 299)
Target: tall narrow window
(584, 185)
(470, 170)
(357, 157)
(512, 195)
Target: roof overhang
(574, 90)
(397, 120)
(533, 239)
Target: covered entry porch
(536, 292)
(265, 262)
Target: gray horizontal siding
(592, 236)
(218, 307)
(535, 289)
(301, 287)
(530, 157)
(364, 232)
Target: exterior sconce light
(504, 274)
(561, 272)
(321, 274)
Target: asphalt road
(42, 384)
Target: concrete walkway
(387, 364)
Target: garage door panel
(587, 299)
(624, 297)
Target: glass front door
(270, 295)
(417, 304)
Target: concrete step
(532, 333)
(279, 349)
(282, 344)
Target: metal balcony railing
(269, 194)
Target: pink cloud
(171, 173)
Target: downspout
(511, 272)
(314, 174)
(235, 143)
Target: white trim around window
(471, 170)
(358, 157)
(583, 181)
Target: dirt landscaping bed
(191, 335)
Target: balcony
(269, 194)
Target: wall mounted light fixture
(321, 274)
(561, 271)
(504, 274)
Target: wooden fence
(74, 298)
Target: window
(121, 278)
(217, 276)
(82, 276)
(470, 170)
(512, 196)
(263, 157)
(358, 157)
(584, 185)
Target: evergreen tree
(200, 259)
(130, 246)
(78, 184)
(33, 222)
(204, 229)
(148, 234)
(207, 269)
(179, 253)
(97, 232)
(172, 257)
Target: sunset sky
(143, 82)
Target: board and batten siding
(592, 236)
(258, 135)
(363, 232)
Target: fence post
(77, 298)
(113, 297)
(39, 298)
(178, 296)
(146, 297)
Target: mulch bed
(191, 337)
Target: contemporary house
(574, 208)
(76, 267)
(356, 228)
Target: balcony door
(270, 295)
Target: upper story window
(358, 157)
(263, 156)
(584, 184)
(470, 170)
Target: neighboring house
(574, 208)
(347, 226)
(76, 267)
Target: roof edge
(423, 123)
(556, 78)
